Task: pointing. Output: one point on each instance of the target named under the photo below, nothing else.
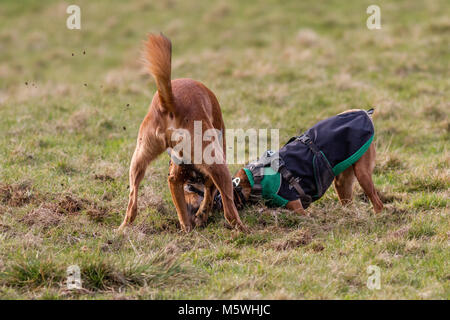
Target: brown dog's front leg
(343, 183)
(297, 207)
(222, 179)
(176, 180)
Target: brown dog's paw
(378, 208)
(187, 227)
(243, 228)
(200, 220)
(121, 228)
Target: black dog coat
(316, 157)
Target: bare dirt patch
(44, 216)
(97, 214)
(17, 195)
(298, 238)
(103, 177)
(71, 204)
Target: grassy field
(71, 102)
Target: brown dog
(176, 105)
(362, 170)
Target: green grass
(31, 272)
(65, 148)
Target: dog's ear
(244, 183)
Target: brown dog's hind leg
(363, 169)
(139, 163)
(343, 183)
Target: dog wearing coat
(338, 149)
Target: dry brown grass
(16, 195)
(295, 239)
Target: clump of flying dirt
(17, 195)
(298, 238)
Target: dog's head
(193, 193)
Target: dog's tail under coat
(157, 58)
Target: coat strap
(305, 139)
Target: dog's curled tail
(157, 58)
